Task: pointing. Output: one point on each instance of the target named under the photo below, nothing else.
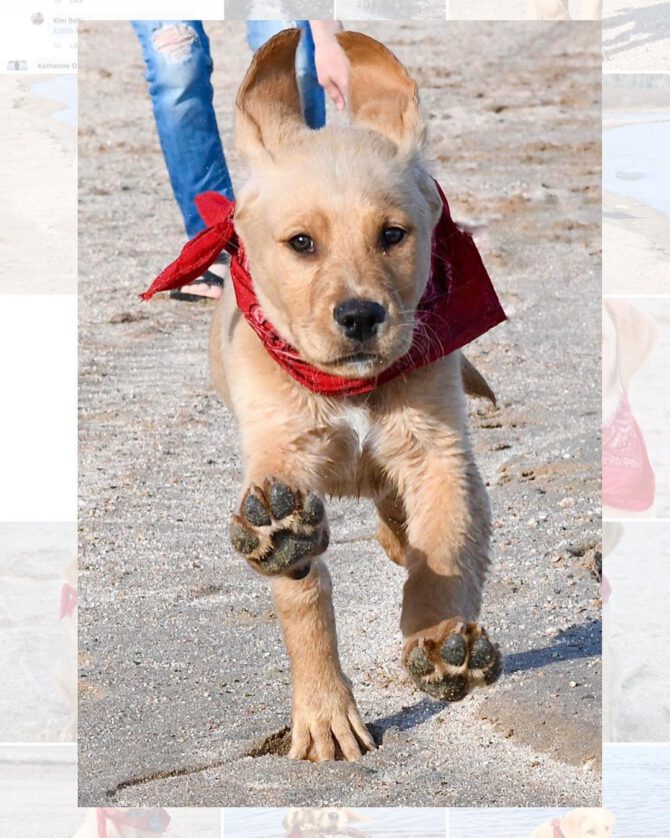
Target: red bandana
(558, 832)
(152, 821)
(458, 305)
(606, 590)
(68, 600)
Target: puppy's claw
(361, 730)
(300, 741)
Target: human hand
(332, 65)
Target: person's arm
(332, 66)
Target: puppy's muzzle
(359, 320)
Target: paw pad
(453, 660)
(277, 529)
(454, 650)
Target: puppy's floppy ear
(269, 110)
(354, 817)
(637, 335)
(382, 95)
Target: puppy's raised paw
(451, 659)
(278, 529)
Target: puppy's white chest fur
(358, 420)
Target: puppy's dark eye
(302, 243)
(392, 235)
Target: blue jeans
(311, 92)
(179, 69)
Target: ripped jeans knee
(175, 41)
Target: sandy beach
(185, 668)
(636, 236)
(38, 797)
(636, 247)
(33, 642)
(507, 9)
(636, 36)
(638, 573)
(38, 168)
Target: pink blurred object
(145, 820)
(628, 478)
(607, 590)
(68, 600)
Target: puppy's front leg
(446, 558)
(281, 529)
(324, 712)
(444, 541)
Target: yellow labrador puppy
(319, 823)
(582, 823)
(560, 10)
(337, 227)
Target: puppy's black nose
(359, 319)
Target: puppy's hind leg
(392, 530)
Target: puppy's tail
(474, 382)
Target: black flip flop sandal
(208, 278)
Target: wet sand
(636, 236)
(38, 168)
(33, 644)
(636, 36)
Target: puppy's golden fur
(581, 823)
(324, 822)
(405, 445)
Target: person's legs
(313, 97)
(311, 92)
(179, 68)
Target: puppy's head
(337, 223)
(332, 821)
(588, 823)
